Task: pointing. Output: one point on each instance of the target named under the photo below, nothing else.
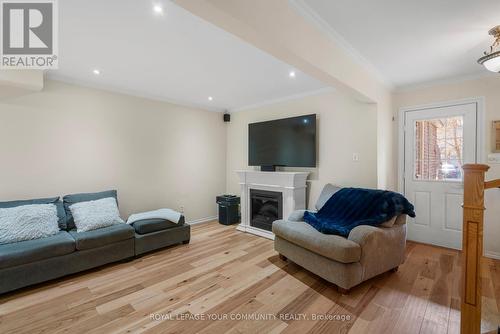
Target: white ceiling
(175, 56)
(411, 42)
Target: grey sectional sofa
(346, 262)
(35, 261)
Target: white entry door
(438, 141)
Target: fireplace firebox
(265, 207)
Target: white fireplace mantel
(291, 184)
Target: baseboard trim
(492, 255)
(488, 254)
(202, 220)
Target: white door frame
(480, 131)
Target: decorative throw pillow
(51, 200)
(28, 222)
(69, 200)
(96, 214)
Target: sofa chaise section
(152, 234)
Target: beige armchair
(346, 262)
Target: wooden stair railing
(472, 246)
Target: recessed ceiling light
(158, 9)
(291, 74)
(210, 98)
(96, 72)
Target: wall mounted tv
(284, 142)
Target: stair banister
(472, 245)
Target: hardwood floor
(223, 272)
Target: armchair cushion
(401, 220)
(297, 216)
(331, 246)
(327, 192)
(351, 207)
(389, 223)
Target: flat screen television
(284, 142)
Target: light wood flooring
(226, 272)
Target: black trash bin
(229, 209)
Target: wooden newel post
(472, 248)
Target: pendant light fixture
(491, 59)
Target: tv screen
(283, 142)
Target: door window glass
(439, 149)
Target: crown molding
(447, 81)
(308, 13)
(113, 89)
(285, 99)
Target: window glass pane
(439, 149)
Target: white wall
(345, 126)
(69, 139)
(19, 82)
(489, 88)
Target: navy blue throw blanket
(351, 207)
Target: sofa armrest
(297, 215)
(362, 234)
(382, 249)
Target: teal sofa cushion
(146, 226)
(69, 200)
(102, 236)
(29, 251)
(61, 213)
